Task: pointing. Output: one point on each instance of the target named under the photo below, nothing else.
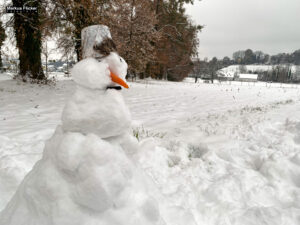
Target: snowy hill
(256, 68)
(225, 154)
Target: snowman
(87, 174)
(98, 106)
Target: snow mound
(82, 180)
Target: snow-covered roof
(248, 76)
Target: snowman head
(118, 69)
(101, 67)
(116, 64)
(102, 74)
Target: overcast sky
(272, 26)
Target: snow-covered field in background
(257, 68)
(229, 153)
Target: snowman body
(94, 108)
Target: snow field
(218, 154)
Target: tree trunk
(82, 20)
(46, 57)
(67, 65)
(78, 45)
(47, 65)
(2, 38)
(28, 38)
(1, 65)
(157, 7)
(131, 20)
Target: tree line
(249, 57)
(280, 72)
(155, 37)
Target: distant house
(248, 77)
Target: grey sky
(272, 26)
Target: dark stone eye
(121, 60)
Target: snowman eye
(121, 60)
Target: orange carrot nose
(118, 80)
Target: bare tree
(132, 24)
(69, 17)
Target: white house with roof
(249, 77)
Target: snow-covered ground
(229, 153)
